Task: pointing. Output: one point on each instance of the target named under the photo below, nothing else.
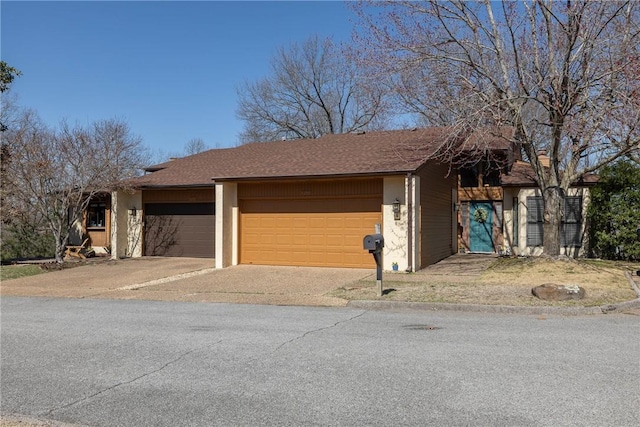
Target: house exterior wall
(126, 229)
(425, 198)
(99, 234)
(437, 215)
(100, 237)
(399, 246)
(515, 228)
(396, 248)
(227, 231)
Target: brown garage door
(179, 229)
(308, 232)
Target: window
(469, 177)
(535, 215)
(571, 222)
(96, 215)
(492, 178)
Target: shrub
(24, 241)
(614, 212)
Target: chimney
(543, 158)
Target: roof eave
(312, 176)
(180, 186)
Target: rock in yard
(553, 292)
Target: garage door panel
(301, 240)
(179, 229)
(308, 233)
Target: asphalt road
(146, 363)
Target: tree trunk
(61, 246)
(553, 208)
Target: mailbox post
(374, 244)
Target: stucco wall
(394, 232)
(398, 247)
(520, 247)
(227, 237)
(126, 229)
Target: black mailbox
(373, 242)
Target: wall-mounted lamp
(133, 211)
(396, 209)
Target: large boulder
(553, 292)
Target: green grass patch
(8, 272)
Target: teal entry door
(481, 227)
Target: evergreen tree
(614, 212)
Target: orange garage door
(325, 233)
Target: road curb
(505, 309)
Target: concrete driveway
(190, 279)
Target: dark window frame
(97, 215)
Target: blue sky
(170, 69)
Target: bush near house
(614, 212)
(25, 241)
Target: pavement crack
(313, 331)
(146, 374)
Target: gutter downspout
(410, 222)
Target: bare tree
(54, 173)
(195, 146)
(7, 114)
(563, 74)
(313, 90)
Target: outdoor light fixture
(132, 211)
(396, 209)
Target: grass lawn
(507, 281)
(20, 270)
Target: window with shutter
(571, 222)
(535, 214)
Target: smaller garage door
(179, 229)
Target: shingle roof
(372, 153)
(522, 175)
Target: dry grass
(8, 272)
(507, 281)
